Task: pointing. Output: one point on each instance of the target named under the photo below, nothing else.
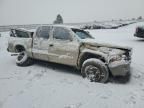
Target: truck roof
(33, 30)
(67, 26)
(61, 25)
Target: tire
(23, 59)
(95, 70)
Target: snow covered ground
(47, 85)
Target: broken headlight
(115, 58)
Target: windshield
(82, 34)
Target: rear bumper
(120, 68)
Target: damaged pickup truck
(70, 46)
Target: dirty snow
(48, 85)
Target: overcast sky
(45, 11)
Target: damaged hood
(93, 42)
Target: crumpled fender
(89, 51)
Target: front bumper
(119, 68)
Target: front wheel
(95, 70)
(23, 59)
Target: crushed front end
(119, 64)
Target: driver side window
(61, 33)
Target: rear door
(41, 42)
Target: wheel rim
(93, 73)
(20, 56)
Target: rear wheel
(23, 59)
(95, 70)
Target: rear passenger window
(43, 32)
(61, 33)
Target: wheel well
(88, 56)
(19, 48)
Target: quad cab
(70, 46)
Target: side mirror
(70, 37)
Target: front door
(64, 48)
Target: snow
(48, 85)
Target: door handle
(51, 45)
